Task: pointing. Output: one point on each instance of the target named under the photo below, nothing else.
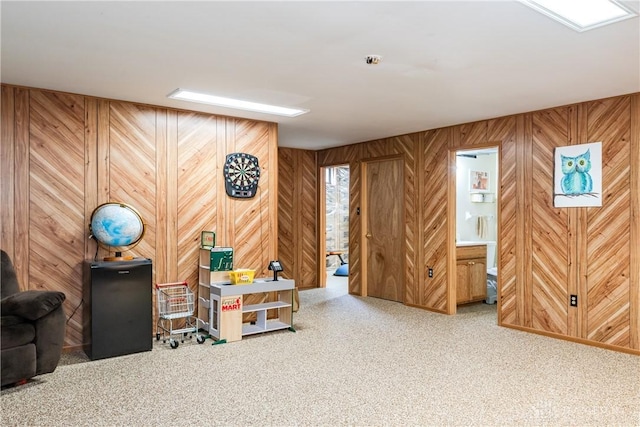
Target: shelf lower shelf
(264, 306)
(272, 325)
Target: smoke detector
(373, 59)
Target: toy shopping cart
(176, 302)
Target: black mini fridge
(117, 307)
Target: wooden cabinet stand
(471, 269)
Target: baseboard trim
(427, 308)
(575, 339)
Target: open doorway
(476, 228)
(334, 230)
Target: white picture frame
(479, 181)
(577, 177)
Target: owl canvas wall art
(576, 179)
(578, 175)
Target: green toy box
(221, 259)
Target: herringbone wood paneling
(251, 237)
(634, 234)
(504, 131)
(71, 153)
(90, 168)
(298, 216)
(524, 208)
(341, 155)
(355, 229)
(286, 213)
(248, 226)
(7, 169)
(353, 155)
(307, 199)
(21, 188)
(132, 168)
(606, 251)
(378, 148)
(433, 294)
(406, 145)
(469, 134)
(608, 229)
(550, 226)
(56, 189)
(196, 187)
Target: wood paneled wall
(589, 252)
(545, 253)
(62, 155)
(432, 292)
(298, 216)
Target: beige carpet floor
(353, 361)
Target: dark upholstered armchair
(33, 328)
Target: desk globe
(116, 227)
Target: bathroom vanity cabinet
(471, 271)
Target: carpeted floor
(352, 361)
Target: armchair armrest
(31, 305)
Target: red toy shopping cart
(176, 302)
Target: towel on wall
(482, 226)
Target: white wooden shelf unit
(220, 304)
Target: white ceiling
(444, 62)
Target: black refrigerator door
(121, 308)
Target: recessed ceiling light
(186, 95)
(582, 15)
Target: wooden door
(384, 229)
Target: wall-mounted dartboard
(241, 175)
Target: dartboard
(241, 175)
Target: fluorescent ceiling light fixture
(582, 15)
(186, 95)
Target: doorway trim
(452, 306)
(322, 228)
(322, 220)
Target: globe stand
(118, 257)
(116, 226)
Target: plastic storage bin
(242, 276)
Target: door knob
(368, 235)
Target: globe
(117, 227)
